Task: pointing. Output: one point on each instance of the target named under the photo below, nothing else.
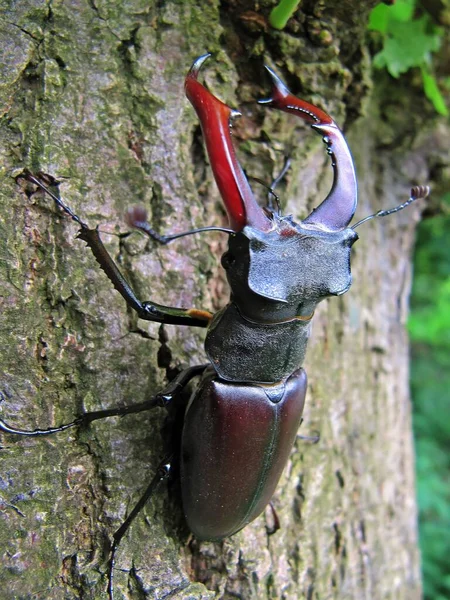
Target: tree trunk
(93, 95)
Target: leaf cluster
(408, 42)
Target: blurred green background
(411, 37)
(429, 328)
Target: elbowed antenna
(215, 118)
(338, 208)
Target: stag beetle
(242, 420)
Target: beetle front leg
(149, 311)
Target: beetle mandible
(242, 420)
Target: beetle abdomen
(236, 442)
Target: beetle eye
(352, 239)
(227, 260)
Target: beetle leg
(274, 524)
(161, 474)
(150, 311)
(272, 196)
(162, 399)
(308, 438)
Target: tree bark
(93, 94)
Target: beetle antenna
(136, 217)
(417, 192)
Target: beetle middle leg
(161, 399)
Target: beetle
(242, 419)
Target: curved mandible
(338, 208)
(215, 118)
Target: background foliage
(407, 34)
(430, 381)
(410, 36)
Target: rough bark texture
(92, 93)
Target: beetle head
(293, 266)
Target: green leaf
(407, 45)
(433, 93)
(432, 324)
(281, 14)
(402, 10)
(379, 18)
(430, 384)
(382, 15)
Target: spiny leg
(150, 311)
(161, 474)
(163, 398)
(272, 197)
